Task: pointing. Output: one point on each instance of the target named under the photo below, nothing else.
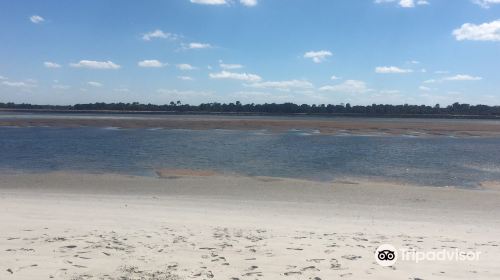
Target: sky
(253, 51)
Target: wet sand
(356, 126)
(208, 226)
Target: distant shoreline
(350, 115)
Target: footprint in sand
(308, 268)
(257, 273)
(295, 249)
(290, 273)
(334, 264)
(315, 260)
(351, 257)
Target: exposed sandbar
(415, 127)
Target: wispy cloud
(94, 84)
(249, 3)
(462, 77)
(36, 19)
(158, 34)
(49, 64)
(185, 78)
(282, 85)
(210, 2)
(349, 86)
(92, 64)
(486, 3)
(152, 63)
(391, 70)
(235, 76)
(229, 66)
(27, 84)
(197, 46)
(185, 67)
(405, 3)
(318, 56)
(458, 77)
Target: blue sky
(302, 51)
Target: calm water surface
(437, 161)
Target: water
(436, 161)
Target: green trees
(274, 108)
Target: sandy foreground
(87, 226)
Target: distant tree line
(273, 108)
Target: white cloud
(198, 46)
(349, 86)
(28, 84)
(186, 67)
(158, 34)
(283, 85)
(49, 64)
(486, 3)
(3, 78)
(489, 31)
(94, 84)
(459, 77)
(249, 3)
(318, 56)
(462, 77)
(405, 3)
(333, 78)
(229, 66)
(424, 88)
(36, 19)
(185, 78)
(210, 2)
(235, 76)
(92, 64)
(153, 63)
(391, 70)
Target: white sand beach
(87, 226)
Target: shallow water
(436, 161)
